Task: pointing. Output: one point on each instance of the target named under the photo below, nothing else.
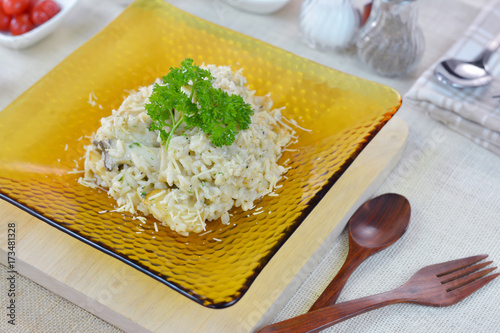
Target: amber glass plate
(42, 134)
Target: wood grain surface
(135, 302)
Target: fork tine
(470, 288)
(455, 265)
(463, 272)
(455, 284)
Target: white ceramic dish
(258, 6)
(40, 32)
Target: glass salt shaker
(328, 24)
(390, 42)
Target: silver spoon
(464, 74)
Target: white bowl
(40, 32)
(258, 6)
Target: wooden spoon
(376, 225)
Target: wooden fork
(436, 285)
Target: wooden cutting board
(124, 297)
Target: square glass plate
(43, 133)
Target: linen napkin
(473, 112)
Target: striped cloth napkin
(473, 112)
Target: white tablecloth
(453, 185)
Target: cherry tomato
(366, 13)
(4, 20)
(43, 11)
(32, 4)
(20, 24)
(15, 7)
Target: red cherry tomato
(4, 20)
(43, 11)
(32, 4)
(15, 7)
(20, 24)
(366, 13)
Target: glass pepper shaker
(390, 42)
(328, 24)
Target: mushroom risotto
(187, 180)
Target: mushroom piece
(129, 151)
(103, 146)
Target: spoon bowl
(377, 224)
(462, 74)
(380, 222)
(467, 74)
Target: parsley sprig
(214, 111)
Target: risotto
(193, 181)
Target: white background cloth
(452, 184)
